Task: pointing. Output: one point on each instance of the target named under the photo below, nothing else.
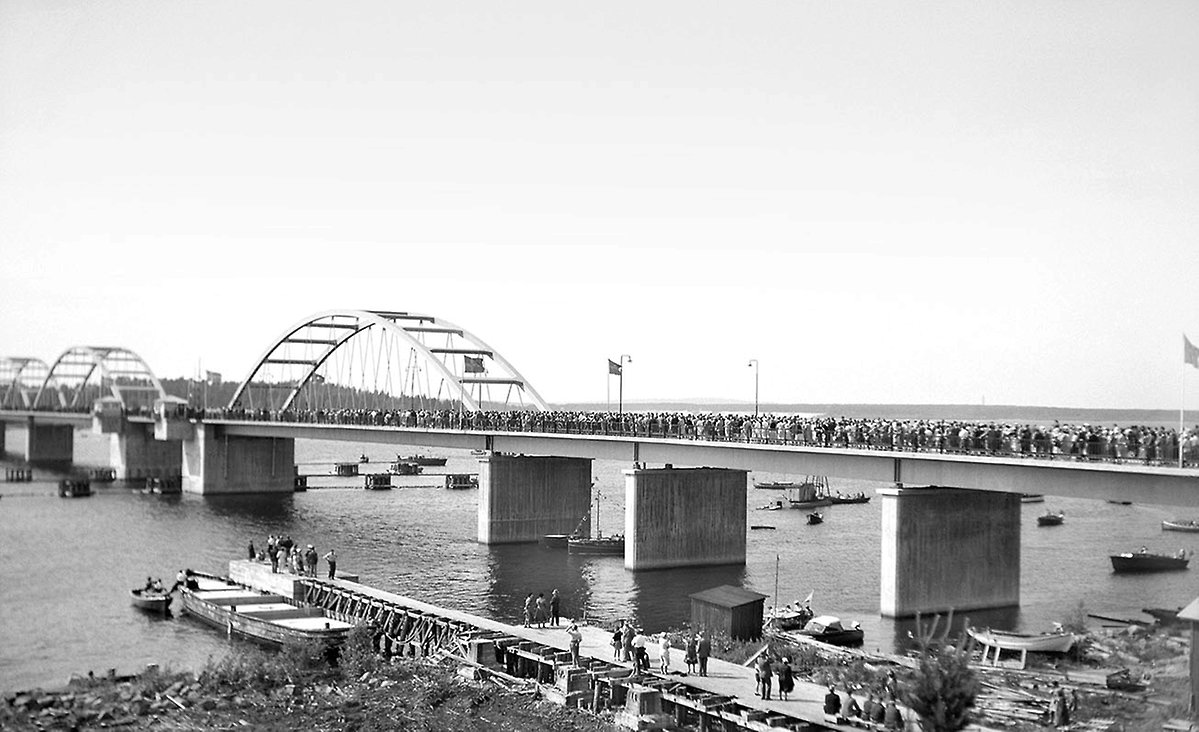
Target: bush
(943, 688)
(357, 655)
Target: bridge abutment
(214, 462)
(135, 454)
(49, 444)
(948, 548)
(684, 517)
(524, 497)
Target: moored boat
(812, 493)
(1057, 642)
(1032, 498)
(598, 545)
(1180, 525)
(426, 460)
(259, 616)
(787, 618)
(150, 601)
(556, 541)
(1144, 561)
(858, 497)
(829, 629)
(74, 487)
(771, 506)
(1051, 519)
(815, 517)
(775, 485)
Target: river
(66, 565)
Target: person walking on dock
(703, 649)
(331, 560)
(786, 678)
(555, 608)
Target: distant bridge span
(1101, 481)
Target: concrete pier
(948, 548)
(135, 454)
(49, 444)
(683, 517)
(524, 497)
(215, 463)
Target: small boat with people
(428, 461)
(259, 616)
(812, 493)
(1180, 525)
(1059, 641)
(151, 599)
(815, 517)
(1051, 519)
(790, 617)
(1143, 560)
(829, 629)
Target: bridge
(951, 516)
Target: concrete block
(49, 444)
(683, 517)
(524, 497)
(215, 462)
(135, 454)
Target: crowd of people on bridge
(1149, 445)
(285, 555)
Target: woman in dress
(664, 653)
(786, 678)
(689, 656)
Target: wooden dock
(724, 699)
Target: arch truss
(83, 374)
(20, 379)
(382, 360)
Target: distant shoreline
(965, 412)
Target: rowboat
(788, 618)
(150, 601)
(259, 616)
(828, 629)
(815, 517)
(1051, 519)
(1143, 561)
(1041, 642)
(1179, 525)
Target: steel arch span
(382, 360)
(20, 379)
(83, 374)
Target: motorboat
(1051, 519)
(815, 517)
(812, 493)
(153, 601)
(1180, 525)
(829, 629)
(259, 616)
(1056, 642)
(1145, 561)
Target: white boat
(1180, 525)
(1041, 643)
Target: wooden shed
(728, 609)
(1190, 615)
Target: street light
(754, 362)
(624, 358)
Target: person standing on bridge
(540, 609)
(310, 561)
(528, 610)
(555, 608)
(703, 649)
(576, 638)
(331, 560)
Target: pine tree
(943, 688)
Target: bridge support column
(3, 447)
(683, 517)
(523, 498)
(135, 454)
(49, 444)
(215, 462)
(946, 548)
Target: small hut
(1190, 615)
(730, 610)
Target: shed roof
(1190, 612)
(728, 596)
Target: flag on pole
(613, 368)
(213, 377)
(474, 365)
(1190, 352)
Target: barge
(262, 617)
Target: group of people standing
(284, 553)
(630, 644)
(539, 611)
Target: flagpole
(1182, 405)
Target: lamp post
(754, 362)
(624, 358)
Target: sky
(880, 202)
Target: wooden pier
(722, 700)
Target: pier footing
(135, 454)
(684, 517)
(215, 462)
(947, 548)
(49, 444)
(524, 497)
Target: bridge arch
(20, 379)
(83, 374)
(374, 359)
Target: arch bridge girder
(20, 378)
(122, 373)
(463, 363)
